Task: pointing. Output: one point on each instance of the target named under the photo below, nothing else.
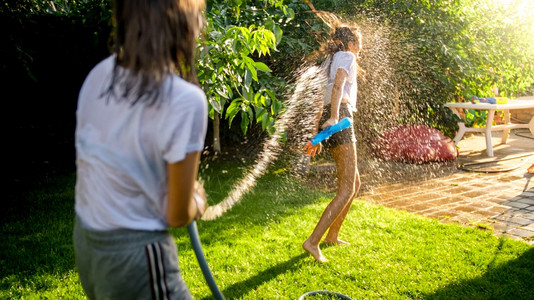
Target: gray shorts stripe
(158, 277)
(128, 264)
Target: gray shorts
(128, 264)
(344, 136)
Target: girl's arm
(186, 197)
(337, 93)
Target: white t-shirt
(122, 150)
(347, 61)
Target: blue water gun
(328, 131)
(490, 100)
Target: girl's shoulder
(344, 56)
(183, 92)
(101, 68)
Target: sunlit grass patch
(254, 250)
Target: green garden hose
(334, 295)
(197, 247)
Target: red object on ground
(531, 169)
(415, 144)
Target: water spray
(310, 81)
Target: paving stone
(496, 200)
(480, 204)
(400, 203)
(475, 193)
(514, 220)
(502, 227)
(443, 214)
(458, 190)
(426, 196)
(498, 209)
(526, 201)
(468, 209)
(417, 207)
(461, 220)
(405, 192)
(517, 204)
(487, 213)
(513, 237)
(378, 198)
(521, 232)
(523, 215)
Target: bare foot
(335, 242)
(314, 251)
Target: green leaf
(278, 33)
(216, 105)
(232, 110)
(265, 121)
(244, 122)
(262, 67)
(251, 67)
(260, 113)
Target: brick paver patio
(498, 201)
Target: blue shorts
(344, 136)
(128, 264)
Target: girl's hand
(329, 122)
(313, 149)
(199, 196)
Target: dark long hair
(151, 40)
(341, 37)
(338, 40)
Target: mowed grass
(254, 250)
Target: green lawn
(254, 250)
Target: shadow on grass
(36, 233)
(511, 280)
(239, 289)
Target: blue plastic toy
(328, 131)
(490, 100)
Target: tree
(237, 83)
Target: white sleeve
(184, 127)
(347, 62)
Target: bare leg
(333, 232)
(345, 157)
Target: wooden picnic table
(491, 108)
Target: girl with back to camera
(339, 102)
(141, 124)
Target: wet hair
(152, 39)
(342, 36)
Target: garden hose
(327, 293)
(524, 133)
(197, 247)
(464, 167)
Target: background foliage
(444, 51)
(418, 54)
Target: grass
(254, 250)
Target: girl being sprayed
(339, 102)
